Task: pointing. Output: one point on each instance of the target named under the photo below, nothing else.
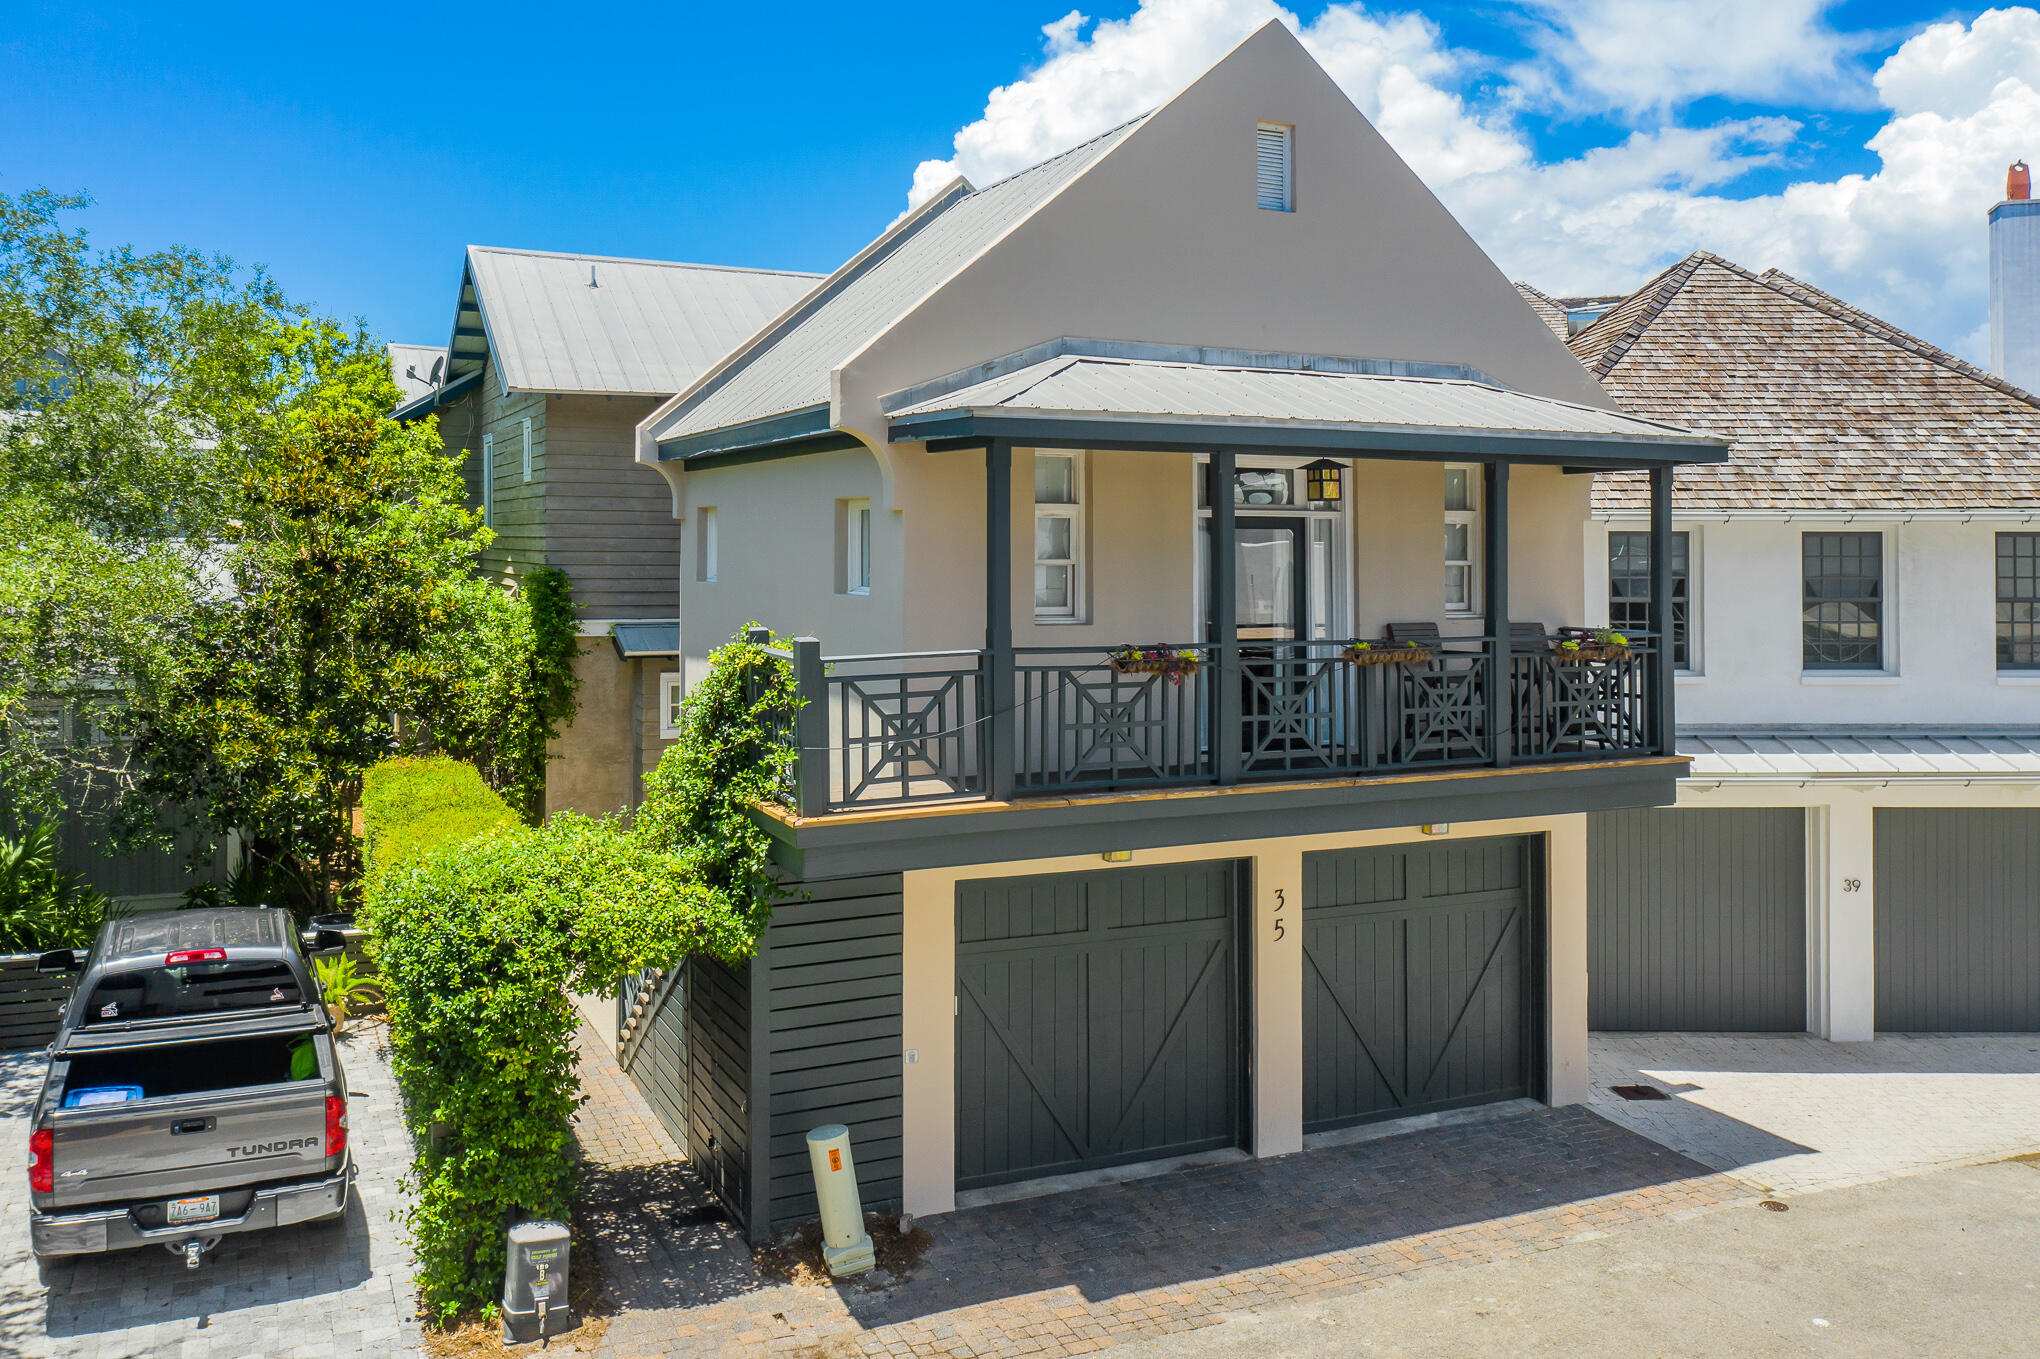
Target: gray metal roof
(1132, 391)
(645, 639)
(787, 368)
(411, 365)
(1845, 755)
(643, 328)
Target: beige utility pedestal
(845, 1245)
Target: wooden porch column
(1494, 560)
(1658, 617)
(1001, 752)
(1223, 629)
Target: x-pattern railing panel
(1570, 706)
(905, 735)
(1083, 723)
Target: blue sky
(355, 160)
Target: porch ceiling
(1095, 402)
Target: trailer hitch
(193, 1249)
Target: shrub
(41, 905)
(481, 927)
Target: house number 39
(1281, 900)
(1852, 884)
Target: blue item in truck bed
(90, 1095)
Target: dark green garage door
(1098, 1020)
(1696, 920)
(1421, 979)
(1958, 920)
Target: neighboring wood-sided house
(552, 361)
(1229, 387)
(1856, 630)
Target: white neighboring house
(1858, 634)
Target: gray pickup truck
(193, 1090)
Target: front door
(1281, 710)
(1273, 580)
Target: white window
(1272, 160)
(704, 544)
(669, 705)
(1462, 540)
(489, 480)
(853, 544)
(527, 448)
(1058, 535)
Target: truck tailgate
(189, 1144)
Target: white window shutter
(1271, 166)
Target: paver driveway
(1792, 1113)
(306, 1292)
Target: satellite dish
(438, 366)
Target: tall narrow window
(527, 448)
(489, 480)
(705, 544)
(2018, 601)
(1842, 601)
(853, 540)
(1273, 162)
(1462, 541)
(1058, 535)
(1629, 589)
(670, 713)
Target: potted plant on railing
(1591, 644)
(1386, 653)
(1155, 660)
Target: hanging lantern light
(1321, 480)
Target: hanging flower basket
(1155, 660)
(1386, 653)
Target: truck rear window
(191, 989)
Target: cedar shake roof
(1547, 308)
(1827, 407)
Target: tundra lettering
(271, 1148)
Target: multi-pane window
(1842, 601)
(1058, 535)
(1462, 540)
(669, 704)
(2018, 601)
(1629, 589)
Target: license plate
(202, 1209)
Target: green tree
(352, 626)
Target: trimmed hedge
(410, 807)
(481, 927)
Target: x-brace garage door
(1420, 979)
(1097, 1019)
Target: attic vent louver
(1272, 166)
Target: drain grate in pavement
(1639, 1092)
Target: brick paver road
(1077, 1272)
(306, 1292)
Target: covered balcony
(1267, 693)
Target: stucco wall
(588, 764)
(1275, 1001)
(1940, 610)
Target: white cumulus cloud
(1906, 241)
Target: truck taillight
(336, 1125)
(195, 955)
(42, 1162)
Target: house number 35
(1281, 900)
(1852, 884)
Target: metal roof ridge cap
(637, 259)
(1294, 422)
(777, 329)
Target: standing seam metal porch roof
(1844, 754)
(1366, 409)
(787, 368)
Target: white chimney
(2015, 282)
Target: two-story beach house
(1855, 630)
(1175, 539)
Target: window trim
(1072, 510)
(489, 478)
(527, 447)
(670, 693)
(1287, 133)
(2001, 601)
(1692, 664)
(1886, 595)
(1471, 517)
(853, 545)
(707, 543)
